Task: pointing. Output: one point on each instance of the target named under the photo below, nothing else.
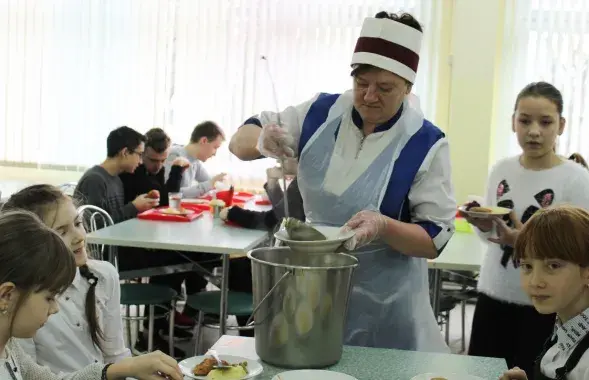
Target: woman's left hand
(224, 213)
(505, 234)
(367, 225)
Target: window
(76, 70)
(548, 40)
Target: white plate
(451, 376)
(312, 374)
(254, 368)
(495, 211)
(334, 235)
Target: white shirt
(64, 343)
(568, 337)
(529, 190)
(195, 172)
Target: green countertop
(376, 364)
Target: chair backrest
(95, 218)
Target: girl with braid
(88, 329)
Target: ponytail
(95, 331)
(578, 159)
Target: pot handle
(249, 320)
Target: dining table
(206, 234)
(365, 363)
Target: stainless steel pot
(301, 306)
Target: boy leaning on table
(101, 186)
(205, 139)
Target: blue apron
(389, 303)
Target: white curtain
(546, 40)
(73, 70)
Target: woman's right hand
(153, 366)
(514, 374)
(276, 142)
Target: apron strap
(574, 359)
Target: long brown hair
(33, 257)
(555, 233)
(578, 159)
(44, 200)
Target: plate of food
(201, 367)
(312, 374)
(301, 236)
(174, 211)
(437, 376)
(195, 200)
(474, 210)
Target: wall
(467, 89)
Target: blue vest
(395, 202)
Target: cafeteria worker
(368, 159)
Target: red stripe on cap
(388, 49)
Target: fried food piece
(480, 209)
(206, 366)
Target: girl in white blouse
(35, 267)
(88, 328)
(552, 251)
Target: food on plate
(301, 231)
(153, 194)
(279, 330)
(203, 368)
(480, 209)
(438, 378)
(217, 203)
(173, 211)
(303, 318)
(206, 368)
(472, 204)
(235, 372)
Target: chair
(138, 294)
(208, 302)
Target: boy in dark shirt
(151, 174)
(101, 186)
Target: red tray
(154, 214)
(238, 197)
(264, 202)
(196, 206)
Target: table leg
(437, 282)
(224, 291)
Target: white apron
(389, 305)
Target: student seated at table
(101, 186)
(37, 264)
(552, 250)
(206, 138)
(147, 177)
(150, 174)
(270, 219)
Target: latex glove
(367, 225)
(514, 374)
(505, 234)
(276, 142)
